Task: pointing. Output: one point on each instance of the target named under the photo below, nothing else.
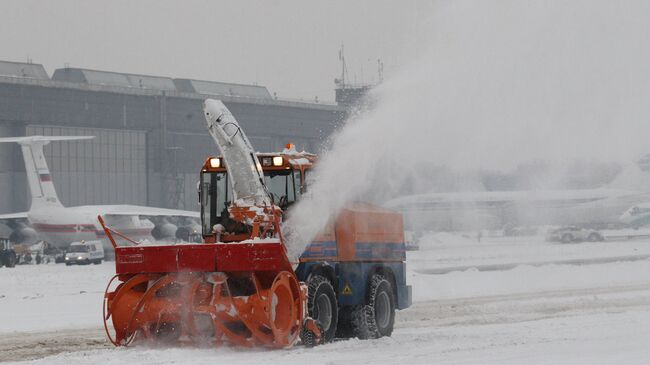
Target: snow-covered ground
(588, 314)
(446, 250)
(52, 296)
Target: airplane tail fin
(40, 182)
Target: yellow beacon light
(215, 162)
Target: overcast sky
(290, 46)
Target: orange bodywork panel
(361, 232)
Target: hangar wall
(150, 143)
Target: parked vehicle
(7, 253)
(573, 234)
(84, 253)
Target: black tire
(594, 237)
(183, 234)
(322, 305)
(97, 262)
(377, 317)
(566, 238)
(10, 259)
(67, 264)
(308, 338)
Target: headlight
(277, 161)
(67, 258)
(80, 258)
(215, 162)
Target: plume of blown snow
(501, 83)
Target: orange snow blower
(243, 293)
(237, 287)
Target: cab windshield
(78, 248)
(215, 193)
(284, 186)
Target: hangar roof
(96, 77)
(222, 88)
(22, 69)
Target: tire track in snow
(34, 345)
(518, 307)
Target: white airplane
(49, 220)
(499, 209)
(637, 216)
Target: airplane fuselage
(495, 210)
(60, 225)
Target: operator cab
(284, 176)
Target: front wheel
(595, 237)
(322, 305)
(10, 259)
(376, 318)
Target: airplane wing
(137, 210)
(46, 139)
(13, 216)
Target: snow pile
(500, 85)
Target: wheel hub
(382, 312)
(324, 308)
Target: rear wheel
(377, 317)
(97, 262)
(322, 305)
(566, 238)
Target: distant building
(151, 135)
(351, 95)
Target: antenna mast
(344, 69)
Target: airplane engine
(164, 230)
(183, 233)
(23, 235)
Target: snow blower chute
(238, 287)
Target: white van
(83, 253)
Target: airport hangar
(151, 137)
